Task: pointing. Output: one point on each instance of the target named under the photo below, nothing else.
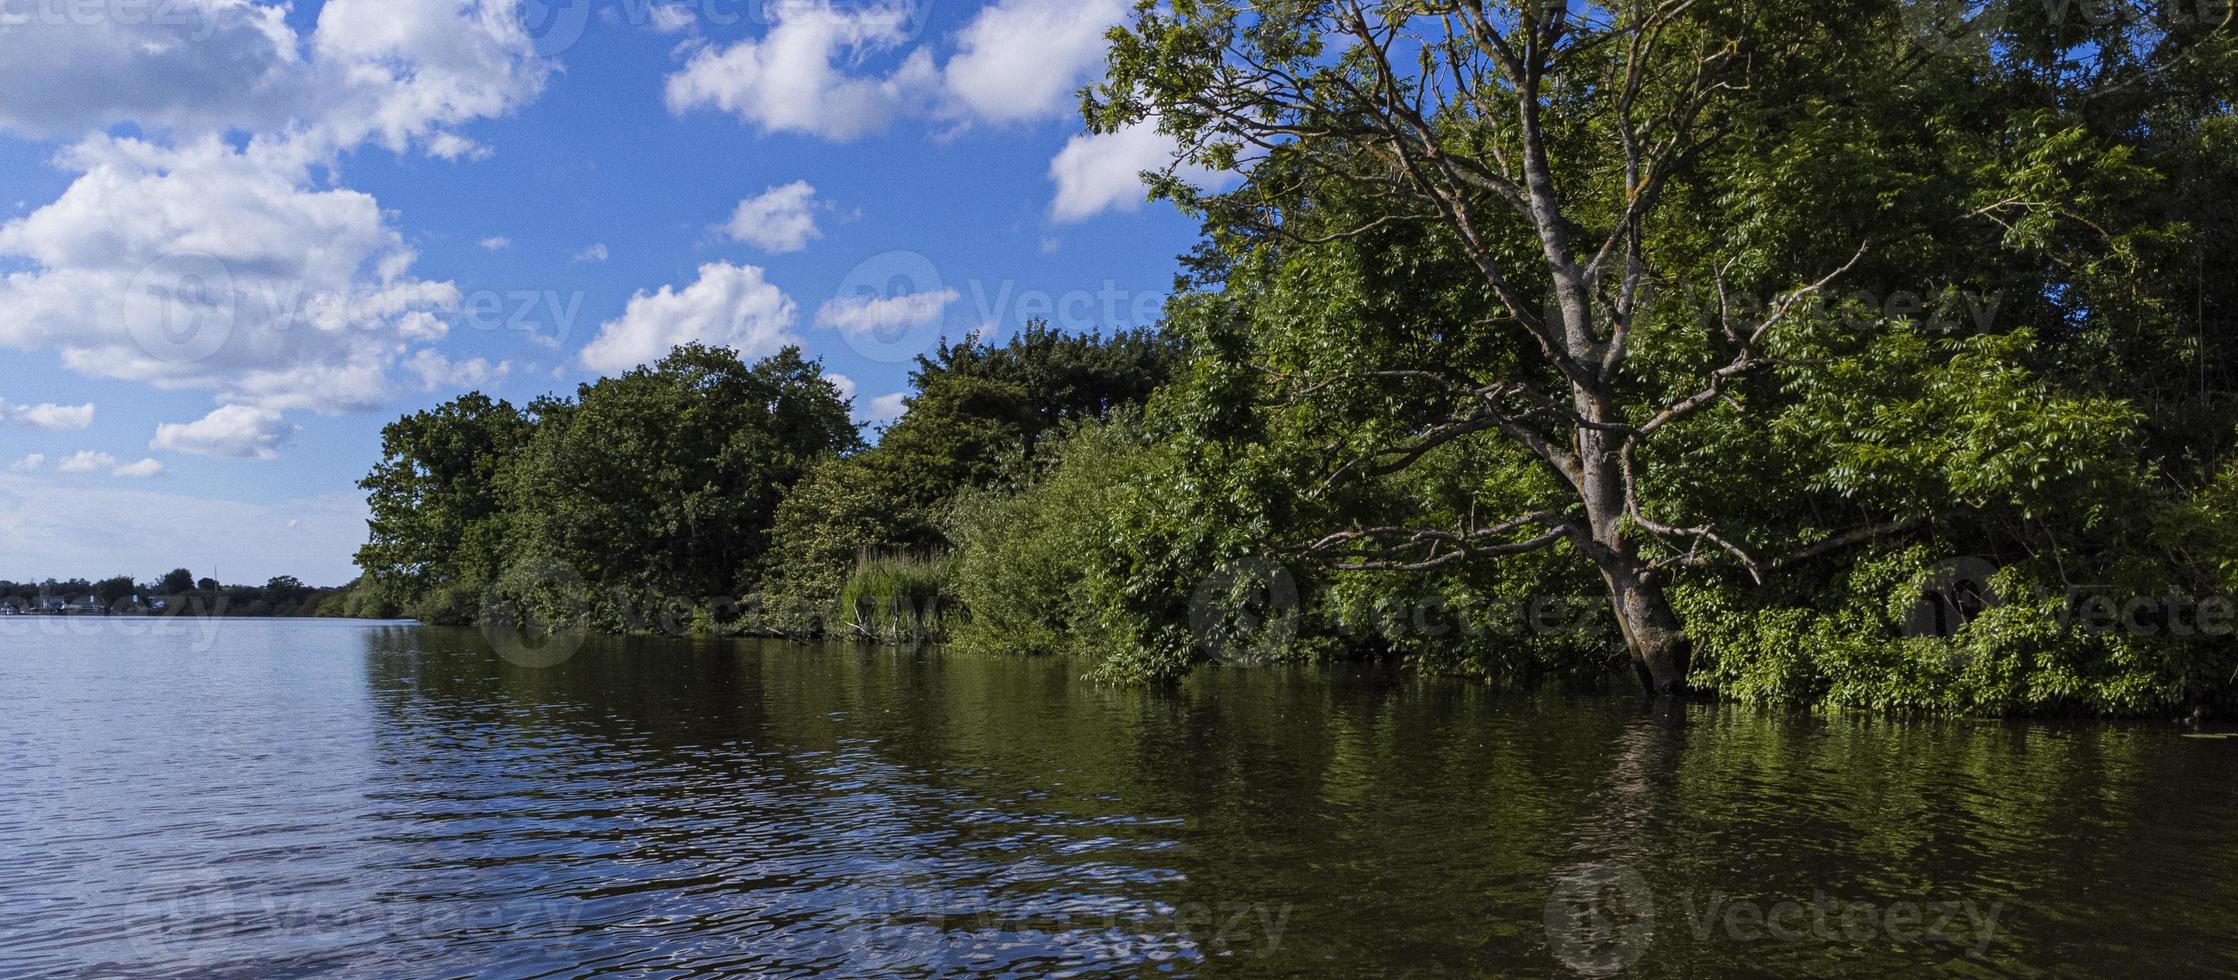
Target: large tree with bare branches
(1591, 239)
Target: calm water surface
(290, 798)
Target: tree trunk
(1661, 653)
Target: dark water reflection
(300, 798)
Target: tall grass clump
(897, 599)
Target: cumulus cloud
(1015, 61)
(233, 431)
(86, 461)
(791, 79)
(46, 416)
(1025, 60)
(28, 464)
(212, 249)
(91, 461)
(207, 266)
(497, 243)
(863, 314)
(780, 219)
(594, 253)
(884, 408)
(437, 372)
(192, 65)
(400, 72)
(728, 306)
(1100, 172)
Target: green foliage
(440, 515)
(1026, 561)
(662, 483)
(655, 486)
(978, 413)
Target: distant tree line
(178, 591)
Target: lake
(260, 798)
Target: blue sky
(249, 235)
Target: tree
(663, 482)
(978, 412)
(113, 590)
(1525, 234)
(177, 581)
(438, 527)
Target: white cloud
(28, 464)
(497, 243)
(139, 471)
(780, 219)
(233, 431)
(91, 461)
(885, 408)
(863, 314)
(1015, 61)
(47, 416)
(192, 64)
(672, 18)
(400, 72)
(437, 372)
(1025, 60)
(86, 461)
(311, 538)
(189, 257)
(791, 79)
(211, 267)
(1102, 172)
(595, 253)
(729, 306)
